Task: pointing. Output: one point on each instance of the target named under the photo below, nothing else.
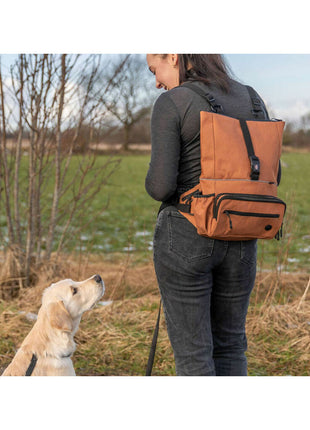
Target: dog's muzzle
(98, 279)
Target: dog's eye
(74, 290)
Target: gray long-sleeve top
(175, 134)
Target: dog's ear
(59, 317)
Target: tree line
(298, 136)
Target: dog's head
(66, 301)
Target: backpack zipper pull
(230, 222)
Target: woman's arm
(161, 179)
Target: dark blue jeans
(205, 286)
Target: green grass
(292, 252)
(127, 223)
(129, 220)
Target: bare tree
(48, 95)
(133, 96)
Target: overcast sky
(283, 80)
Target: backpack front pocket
(246, 216)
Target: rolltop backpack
(236, 198)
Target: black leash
(153, 346)
(32, 365)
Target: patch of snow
(142, 233)
(106, 303)
(129, 248)
(305, 250)
(29, 315)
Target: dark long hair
(208, 68)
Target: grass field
(122, 216)
(128, 222)
(117, 243)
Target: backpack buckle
(216, 108)
(255, 167)
(256, 112)
(256, 101)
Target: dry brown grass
(115, 339)
(106, 329)
(278, 325)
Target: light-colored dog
(47, 349)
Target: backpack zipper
(244, 197)
(253, 214)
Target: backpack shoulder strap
(207, 96)
(258, 110)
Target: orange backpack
(236, 198)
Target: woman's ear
(174, 59)
(59, 317)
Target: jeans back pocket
(185, 241)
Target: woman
(205, 284)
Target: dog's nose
(97, 278)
